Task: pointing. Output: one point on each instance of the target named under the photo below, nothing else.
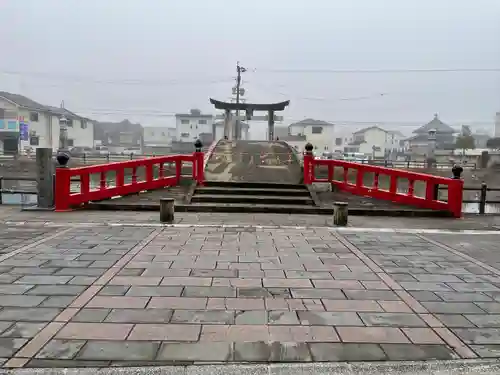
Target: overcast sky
(147, 59)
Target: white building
(218, 130)
(319, 133)
(189, 126)
(27, 125)
(376, 142)
(497, 124)
(159, 136)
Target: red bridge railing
(430, 199)
(105, 181)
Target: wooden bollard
(340, 214)
(167, 209)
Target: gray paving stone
(392, 320)
(43, 279)
(381, 295)
(326, 352)
(213, 291)
(478, 335)
(23, 330)
(32, 271)
(32, 314)
(68, 263)
(454, 321)
(81, 271)
(408, 352)
(486, 351)
(61, 349)
(318, 293)
(484, 321)
(20, 300)
(91, 315)
(83, 280)
(5, 325)
(254, 317)
(57, 301)
(119, 350)
(427, 286)
(155, 291)
(9, 346)
(204, 317)
(139, 316)
(199, 351)
(264, 292)
(329, 318)
(57, 290)
(114, 290)
(283, 318)
(463, 297)
(252, 352)
(14, 289)
(426, 296)
(289, 352)
(452, 308)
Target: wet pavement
(96, 294)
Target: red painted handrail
(429, 201)
(65, 199)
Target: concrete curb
(462, 367)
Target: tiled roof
(437, 125)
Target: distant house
(118, 136)
(376, 142)
(444, 134)
(319, 133)
(26, 125)
(190, 125)
(158, 139)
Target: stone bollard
(340, 214)
(167, 209)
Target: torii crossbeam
(235, 133)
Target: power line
(378, 71)
(142, 82)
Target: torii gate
(234, 131)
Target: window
(83, 124)
(70, 122)
(2, 113)
(190, 126)
(152, 134)
(317, 130)
(202, 122)
(326, 148)
(71, 142)
(184, 122)
(184, 135)
(34, 140)
(34, 116)
(162, 134)
(338, 141)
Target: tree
(493, 143)
(465, 142)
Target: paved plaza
(82, 293)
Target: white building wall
(159, 135)
(322, 142)
(188, 128)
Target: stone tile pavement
(100, 295)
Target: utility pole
(239, 70)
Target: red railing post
(62, 189)
(455, 197)
(178, 170)
(308, 159)
(198, 160)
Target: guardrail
(432, 183)
(4, 190)
(154, 178)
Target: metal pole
(238, 83)
(482, 198)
